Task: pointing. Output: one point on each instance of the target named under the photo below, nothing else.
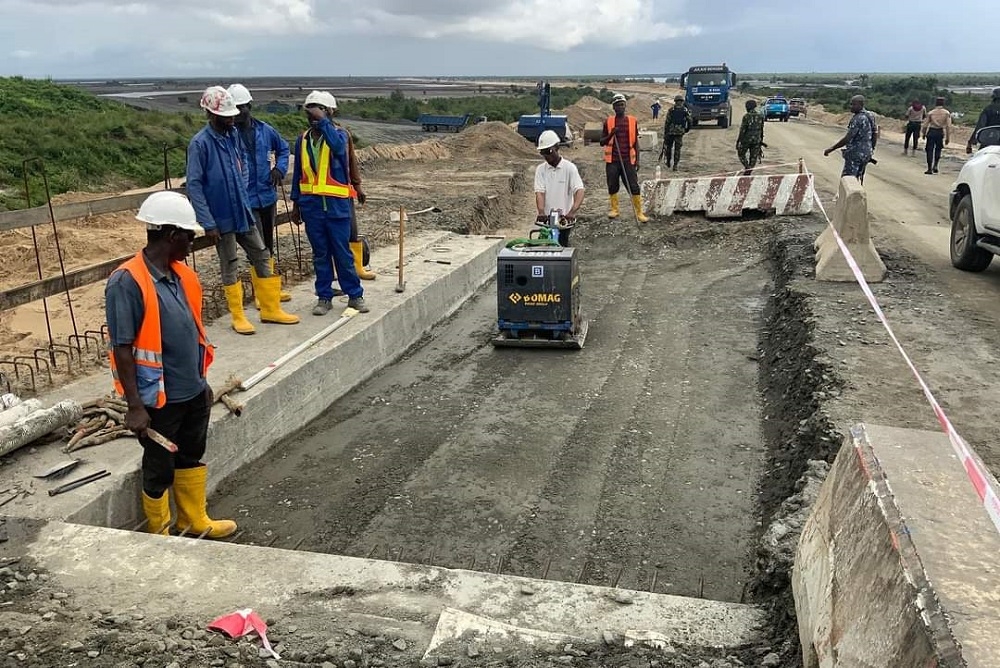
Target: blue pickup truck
(776, 107)
(439, 123)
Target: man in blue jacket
(217, 169)
(323, 199)
(260, 141)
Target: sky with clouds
(146, 38)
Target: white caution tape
(982, 480)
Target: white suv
(974, 204)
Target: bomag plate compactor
(538, 297)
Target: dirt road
(903, 201)
(947, 319)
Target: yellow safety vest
(321, 181)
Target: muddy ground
(633, 460)
(713, 358)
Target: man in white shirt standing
(558, 186)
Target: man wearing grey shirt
(159, 359)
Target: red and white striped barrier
(730, 196)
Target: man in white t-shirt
(558, 186)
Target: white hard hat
(168, 208)
(618, 98)
(547, 139)
(322, 98)
(218, 101)
(240, 94)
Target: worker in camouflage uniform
(750, 142)
(677, 125)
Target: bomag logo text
(537, 299)
(542, 298)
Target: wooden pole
(400, 283)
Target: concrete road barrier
(850, 219)
(896, 566)
(730, 196)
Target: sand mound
(432, 149)
(491, 137)
(585, 110)
(639, 104)
(84, 241)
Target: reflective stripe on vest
(322, 183)
(147, 349)
(633, 134)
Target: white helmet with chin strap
(240, 94)
(322, 98)
(547, 139)
(168, 208)
(218, 101)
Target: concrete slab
(96, 565)
(288, 399)
(897, 564)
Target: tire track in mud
(328, 481)
(694, 453)
(476, 491)
(556, 530)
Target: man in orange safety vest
(160, 355)
(620, 139)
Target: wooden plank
(78, 278)
(49, 287)
(39, 215)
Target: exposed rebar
(38, 364)
(17, 374)
(296, 232)
(55, 238)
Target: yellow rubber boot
(637, 203)
(358, 251)
(613, 211)
(234, 299)
(285, 296)
(269, 292)
(157, 511)
(192, 516)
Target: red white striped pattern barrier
(729, 196)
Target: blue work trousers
(330, 241)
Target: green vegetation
(888, 95)
(89, 143)
(82, 141)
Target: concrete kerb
(895, 567)
(284, 402)
(850, 219)
(98, 565)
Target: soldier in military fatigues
(750, 142)
(678, 123)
